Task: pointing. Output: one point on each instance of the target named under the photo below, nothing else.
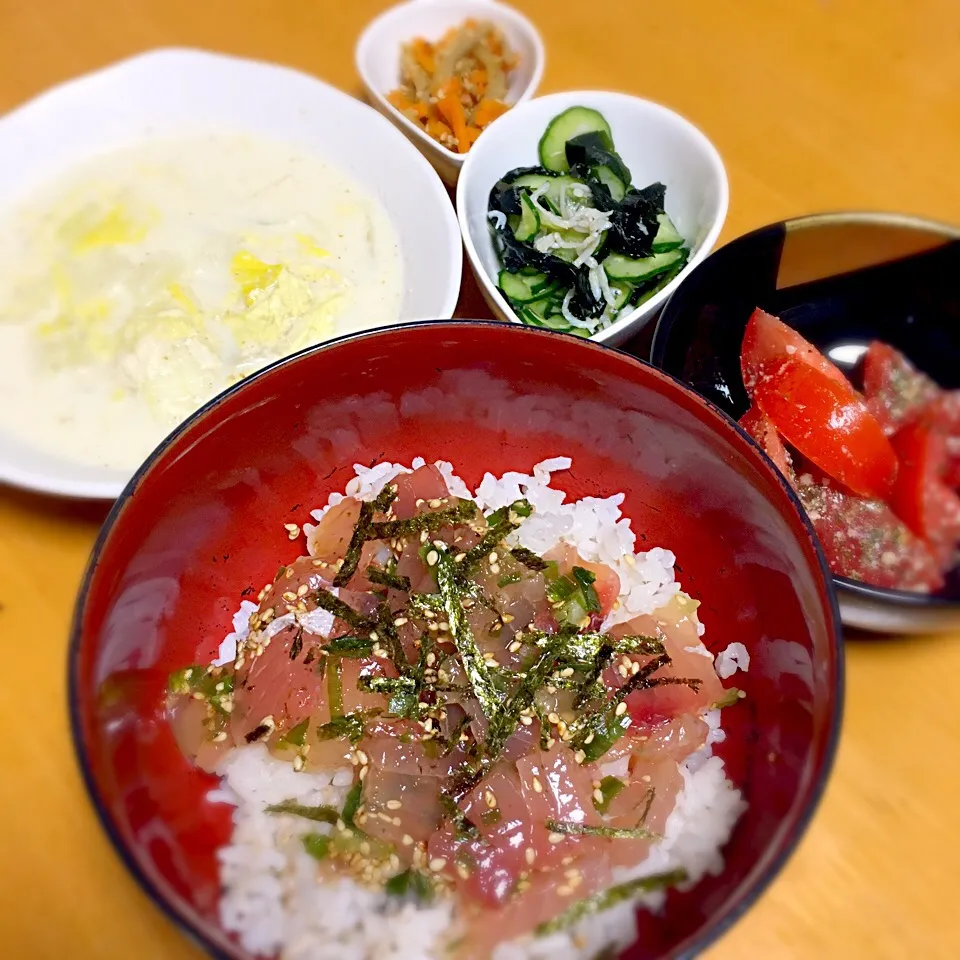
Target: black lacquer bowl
(842, 280)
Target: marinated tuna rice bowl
(462, 724)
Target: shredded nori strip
(392, 529)
(387, 632)
(610, 898)
(384, 498)
(297, 645)
(479, 675)
(361, 534)
(457, 817)
(385, 578)
(529, 559)
(321, 814)
(333, 604)
(335, 687)
(501, 523)
(593, 685)
(612, 833)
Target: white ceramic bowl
(378, 61)
(173, 92)
(654, 142)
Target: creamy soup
(148, 279)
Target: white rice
(271, 897)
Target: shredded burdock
(454, 88)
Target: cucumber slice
(668, 237)
(529, 223)
(523, 288)
(616, 187)
(571, 123)
(545, 313)
(619, 267)
(532, 180)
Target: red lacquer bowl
(203, 521)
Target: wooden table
(815, 105)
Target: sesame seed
(293, 531)
(621, 709)
(537, 785)
(424, 536)
(551, 743)
(302, 590)
(494, 567)
(435, 503)
(588, 738)
(459, 558)
(493, 557)
(566, 672)
(432, 558)
(598, 796)
(555, 838)
(362, 757)
(400, 621)
(515, 646)
(530, 855)
(289, 596)
(437, 864)
(363, 772)
(220, 737)
(623, 671)
(394, 804)
(289, 573)
(490, 799)
(526, 721)
(298, 763)
(579, 756)
(634, 668)
(553, 717)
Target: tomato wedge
(828, 422)
(767, 342)
(896, 392)
(759, 426)
(920, 497)
(864, 540)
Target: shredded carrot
(451, 109)
(451, 88)
(487, 111)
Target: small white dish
(654, 142)
(174, 92)
(378, 61)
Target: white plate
(654, 142)
(174, 92)
(378, 60)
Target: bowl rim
(192, 927)
(365, 44)
(621, 327)
(108, 483)
(901, 598)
